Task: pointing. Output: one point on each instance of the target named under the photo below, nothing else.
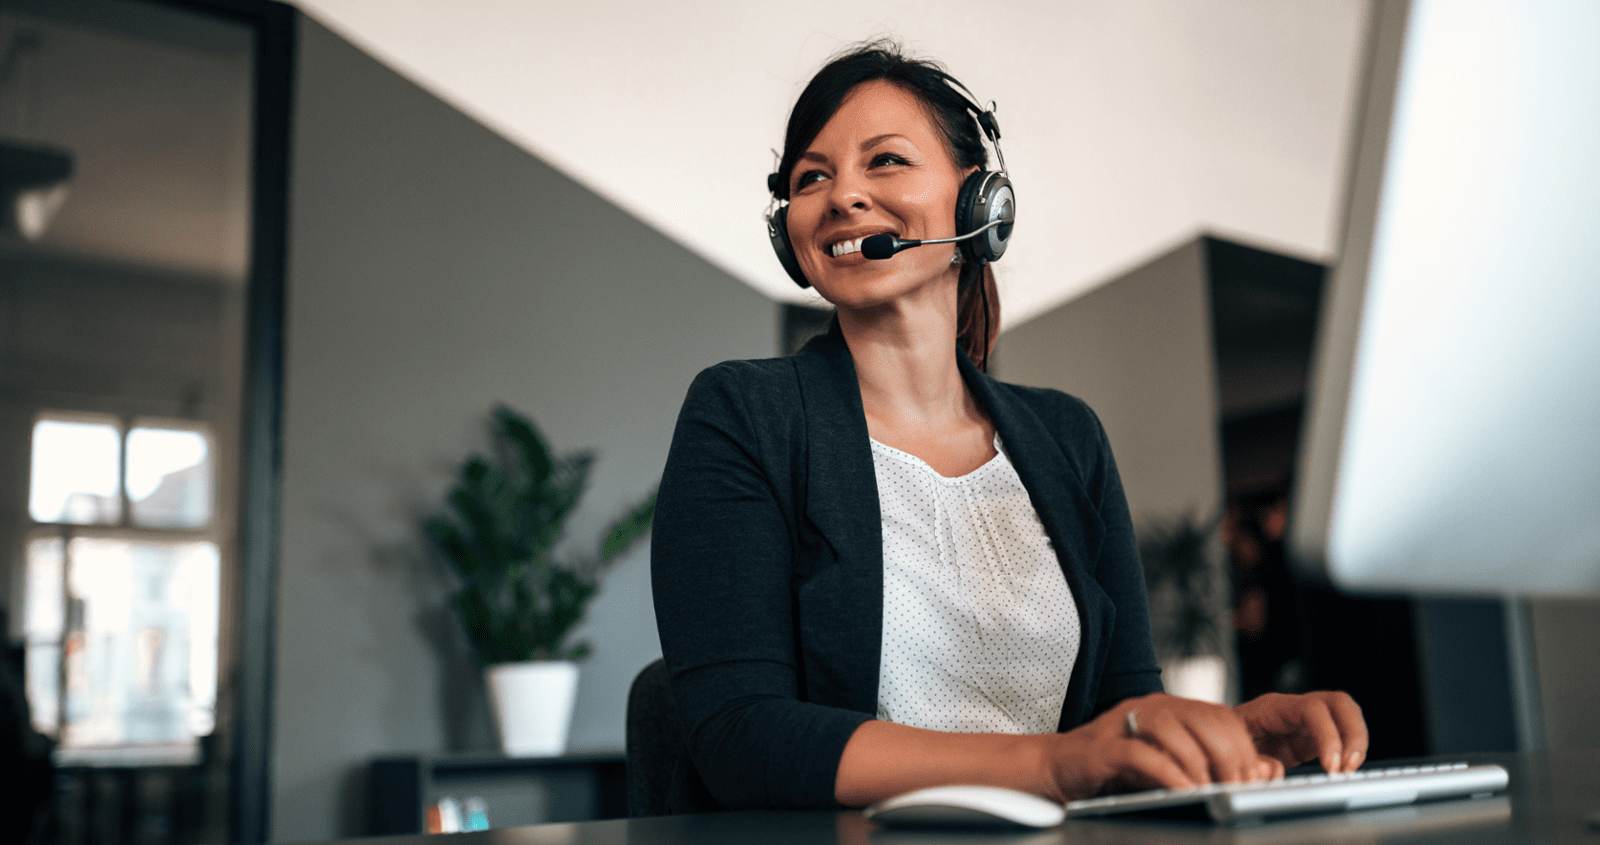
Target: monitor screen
(1453, 429)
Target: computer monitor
(1452, 441)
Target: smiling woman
(929, 106)
(856, 180)
(877, 569)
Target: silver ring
(1132, 723)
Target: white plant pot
(1204, 677)
(532, 703)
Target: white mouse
(967, 806)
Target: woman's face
(878, 165)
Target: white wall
(436, 269)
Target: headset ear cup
(1001, 204)
(778, 233)
(985, 197)
(972, 249)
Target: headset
(986, 209)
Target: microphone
(886, 245)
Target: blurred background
(265, 268)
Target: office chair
(661, 778)
(655, 742)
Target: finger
(1271, 768)
(1154, 764)
(1226, 741)
(1352, 727)
(1280, 748)
(1316, 721)
(1170, 734)
(1273, 733)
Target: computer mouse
(967, 806)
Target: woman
(876, 568)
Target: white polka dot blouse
(979, 628)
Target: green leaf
(449, 540)
(530, 444)
(483, 532)
(506, 514)
(473, 471)
(626, 531)
(1181, 578)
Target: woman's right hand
(1180, 742)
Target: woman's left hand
(1325, 726)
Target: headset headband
(986, 122)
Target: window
(122, 588)
(74, 476)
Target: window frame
(79, 417)
(124, 425)
(135, 754)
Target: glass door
(126, 178)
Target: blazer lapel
(1070, 519)
(841, 501)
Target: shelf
(516, 790)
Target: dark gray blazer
(767, 565)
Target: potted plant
(518, 601)
(1182, 578)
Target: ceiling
(154, 106)
(1129, 125)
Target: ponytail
(977, 313)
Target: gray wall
(434, 270)
(1566, 634)
(1139, 351)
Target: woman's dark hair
(977, 299)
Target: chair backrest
(655, 741)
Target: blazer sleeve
(722, 570)
(1131, 669)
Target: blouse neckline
(924, 466)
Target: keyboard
(1240, 803)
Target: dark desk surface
(1552, 795)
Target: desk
(1551, 794)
